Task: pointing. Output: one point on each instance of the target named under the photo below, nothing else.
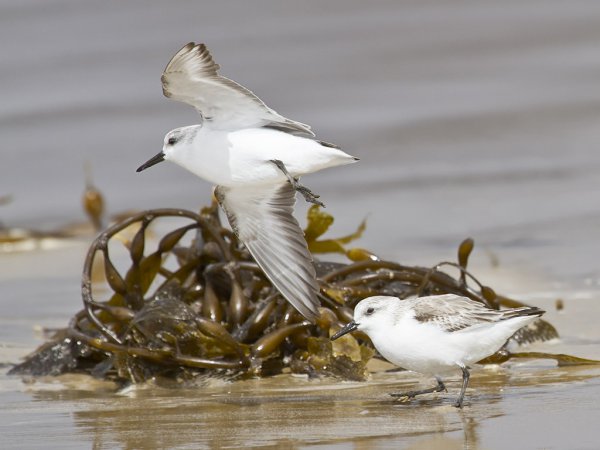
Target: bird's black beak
(350, 327)
(152, 161)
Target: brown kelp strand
(190, 301)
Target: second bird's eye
(370, 311)
(172, 141)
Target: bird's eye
(172, 141)
(370, 311)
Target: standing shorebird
(255, 157)
(436, 335)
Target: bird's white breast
(243, 157)
(416, 346)
(206, 155)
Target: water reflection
(293, 412)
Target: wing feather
(192, 77)
(454, 313)
(262, 219)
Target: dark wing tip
(192, 60)
(165, 86)
(531, 311)
(535, 311)
(202, 52)
(522, 312)
(328, 144)
(309, 312)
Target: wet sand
(470, 119)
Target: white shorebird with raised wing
(436, 335)
(254, 156)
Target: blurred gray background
(470, 118)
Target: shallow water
(503, 409)
(470, 118)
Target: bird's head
(371, 314)
(176, 141)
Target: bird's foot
(308, 195)
(404, 396)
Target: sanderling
(254, 156)
(437, 334)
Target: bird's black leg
(412, 394)
(308, 195)
(466, 375)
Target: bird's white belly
(421, 349)
(427, 349)
(213, 157)
(210, 164)
(244, 157)
(252, 150)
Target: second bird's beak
(152, 161)
(347, 329)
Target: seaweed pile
(193, 303)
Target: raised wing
(192, 77)
(454, 313)
(262, 219)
